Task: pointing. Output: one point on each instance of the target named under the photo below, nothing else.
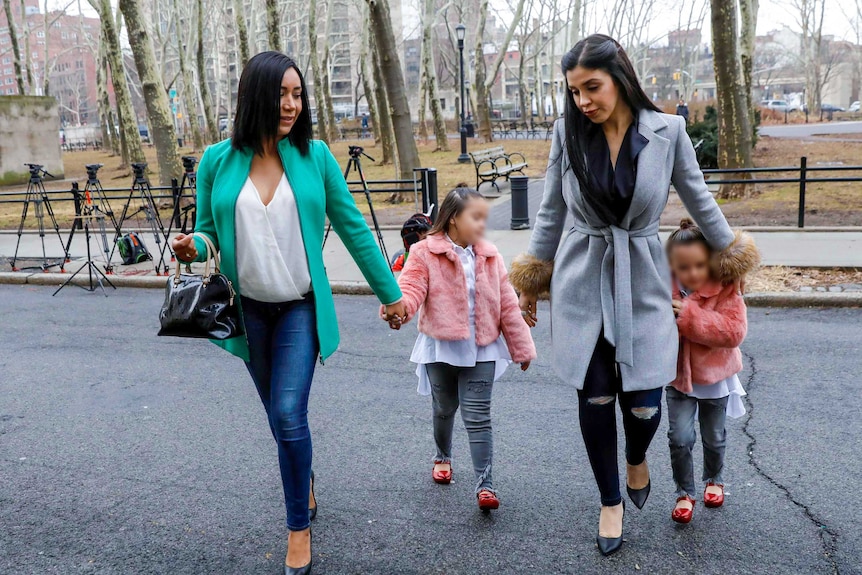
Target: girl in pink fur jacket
(470, 329)
(712, 323)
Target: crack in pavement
(828, 536)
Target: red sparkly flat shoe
(681, 514)
(487, 500)
(442, 476)
(713, 500)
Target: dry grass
(785, 279)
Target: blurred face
(468, 227)
(690, 265)
(594, 93)
(291, 102)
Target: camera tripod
(141, 189)
(37, 195)
(353, 163)
(85, 212)
(93, 201)
(184, 194)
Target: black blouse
(612, 187)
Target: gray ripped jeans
(681, 413)
(469, 387)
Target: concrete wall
(29, 133)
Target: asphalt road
(121, 452)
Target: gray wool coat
(617, 279)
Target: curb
(770, 299)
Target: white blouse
(270, 252)
(465, 352)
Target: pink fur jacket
(712, 325)
(433, 280)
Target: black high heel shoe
(610, 545)
(312, 511)
(305, 569)
(639, 496)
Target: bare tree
(387, 134)
(323, 130)
(162, 130)
(429, 74)
(272, 25)
(325, 84)
(109, 136)
(189, 93)
(734, 130)
(130, 139)
(241, 31)
(396, 92)
(748, 16)
(367, 80)
(209, 113)
(484, 76)
(16, 49)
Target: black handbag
(201, 306)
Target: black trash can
(470, 128)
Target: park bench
(494, 163)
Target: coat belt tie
(616, 284)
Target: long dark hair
(598, 52)
(452, 206)
(258, 106)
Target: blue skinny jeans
(283, 346)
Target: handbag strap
(212, 254)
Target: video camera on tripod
(93, 171)
(356, 151)
(139, 170)
(38, 170)
(189, 163)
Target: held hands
(184, 247)
(395, 314)
(527, 303)
(677, 307)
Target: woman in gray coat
(613, 158)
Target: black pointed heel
(639, 496)
(305, 569)
(312, 511)
(610, 545)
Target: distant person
(470, 330)
(414, 230)
(364, 124)
(712, 323)
(682, 110)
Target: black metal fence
(801, 177)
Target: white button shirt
(270, 252)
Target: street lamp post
(460, 30)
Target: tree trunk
(574, 22)
(189, 93)
(423, 98)
(16, 50)
(430, 70)
(523, 91)
(162, 131)
(367, 84)
(272, 27)
(748, 15)
(109, 142)
(387, 135)
(734, 130)
(209, 114)
(130, 138)
(319, 99)
(326, 86)
(28, 55)
(242, 31)
(480, 91)
(399, 109)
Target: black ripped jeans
(597, 411)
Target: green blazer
(320, 191)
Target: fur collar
(439, 244)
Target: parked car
(854, 107)
(778, 105)
(144, 132)
(830, 108)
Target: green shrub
(706, 132)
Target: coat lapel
(650, 163)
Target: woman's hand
(677, 307)
(527, 303)
(525, 365)
(395, 314)
(739, 284)
(184, 247)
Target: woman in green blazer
(263, 198)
